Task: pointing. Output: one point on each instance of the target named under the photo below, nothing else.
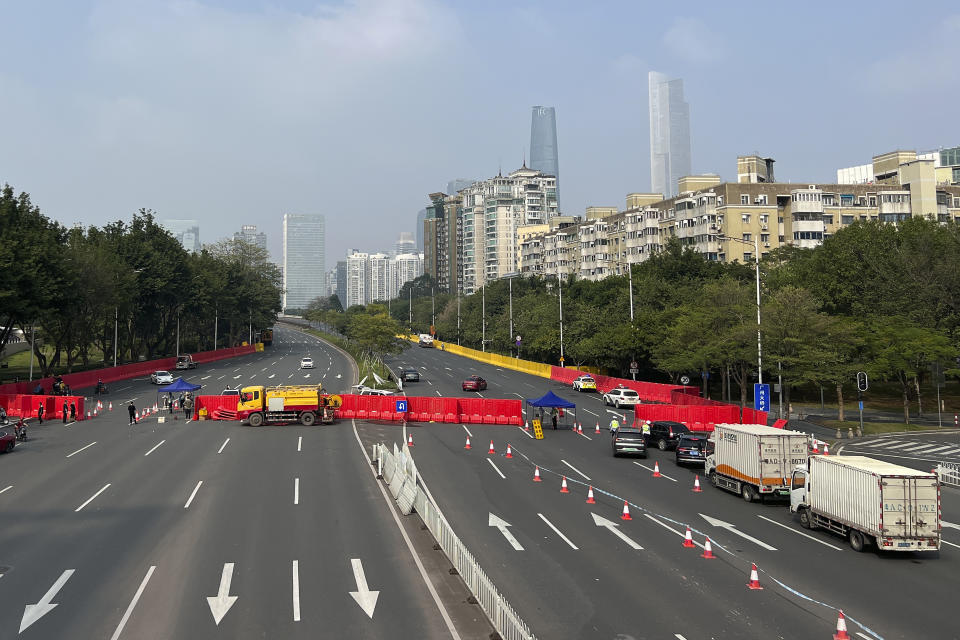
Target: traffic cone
(409, 439)
(696, 484)
(467, 446)
(656, 469)
(754, 577)
(826, 448)
(111, 407)
(841, 633)
(509, 452)
(590, 499)
(526, 426)
(136, 416)
(688, 539)
(708, 550)
(491, 451)
(536, 475)
(580, 428)
(816, 446)
(88, 415)
(563, 486)
(626, 511)
(598, 428)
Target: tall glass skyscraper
(304, 259)
(544, 156)
(669, 134)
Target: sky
(235, 112)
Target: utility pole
(511, 308)
(433, 307)
(630, 276)
(249, 320)
(560, 286)
(116, 319)
(178, 333)
(33, 339)
(216, 320)
(756, 255)
(458, 317)
(483, 318)
(410, 291)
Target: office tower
(458, 184)
(421, 216)
(187, 233)
(669, 134)
(406, 243)
(544, 156)
(304, 259)
(358, 279)
(248, 233)
(341, 283)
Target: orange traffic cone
(491, 451)
(136, 416)
(841, 633)
(598, 428)
(590, 499)
(526, 426)
(88, 415)
(688, 539)
(816, 446)
(509, 452)
(563, 486)
(708, 550)
(696, 484)
(656, 469)
(626, 511)
(467, 446)
(409, 439)
(754, 577)
(111, 407)
(826, 448)
(536, 475)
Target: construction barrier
(648, 391)
(27, 406)
(691, 415)
(218, 407)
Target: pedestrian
(187, 407)
(73, 411)
(132, 410)
(40, 413)
(553, 417)
(170, 402)
(66, 410)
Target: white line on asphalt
(616, 413)
(79, 450)
(296, 591)
(901, 445)
(204, 377)
(495, 468)
(289, 376)
(480, 394)
(133, 603)
(581, 434)
(221, 377)
(7, 489)
(950, 543)
(193, 493)
(864, 636)
(890, 455)
(296, 491)
(941, 449)
(682, 534)
(154, 448)
(780, 524)
(557, 531)
(467, 430)
(678, 636)
(224, 445)
(91, 499)
(299, 443)
(651, 469)
(525, 432)
(592, 413)
(575, 469)
(438, 393)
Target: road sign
(861, 405)
(684, 380)
(401, 406)
(634, 365)
(705, 375)
(761, 397)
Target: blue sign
(401, 406)
(861, 405)
(761, 397)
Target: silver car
(161, 377)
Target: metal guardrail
(400, 473)
(949, 473)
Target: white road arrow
(33, 612)
(600, 521)
(365, 598)
(220, 604)
(501, 524)
(733, 529)
(949, 525)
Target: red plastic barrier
(214, 403)
(649, 391)
(687, 413)
(27, 406)
(779, 424)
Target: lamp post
(216, 320)
(510, 281)
(178, 333)
(483, 318)
(560, 287)
(756, 255)
(116, 319)
(458, 317)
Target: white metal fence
(949, 473)
(400, 474)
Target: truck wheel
(805, 521)
(747, 492)
(713, 478)
(307, 418)
(256, 419)
(857, 541)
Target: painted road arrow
(501, 524)
(33, 612)
(733, 529)
(600, 521)
(221, 603)
(365, 598)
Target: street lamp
(483, 318)
(756, 255)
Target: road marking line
(682, 534)
(224, 445)
(557, 531)
(70, 423)
(941, 449)
(91, 499)
(651, 469)
(467, 430)
(525, 432)
(495, 468)
(480, 394)
(678, 636)
(133, 603)
(864, 636)
(79, 450)
(296, 491)
(154, 448)
(890, 455)
(438, 393)
(7, 489)
(299, 443)
(575, 469)
(584, 435)
(950, 543)
(901, 445)
(193, 494)
(788, 528)
(296, 591)
(592, 413)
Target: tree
(374, 331)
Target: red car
(474, 383)
(7, 441)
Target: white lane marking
(296, 491)
(732, 528)
(592, 413)
(467, 430)
(922, 447)
(289, 376)
(296, 591)
(651, 469)
(788, 528)
(262, 370)
(133, 603)
(525, 432)
(79, 450)
(429, 383)
(33, 612)
(575, 469)
(864, 636)
(678, 636)
(495, 468)
(204, 377)
(502, 525)
(194, 493)
(557, 531)
(902, 445)
(682, 534)
(890, 455)
(517, 394)
(221, 377)
(299, 443)
(614, 528)
(448, 368)
(583, 435)
(270, 377)
(438, 393)
(949, 525)
(237, 369)
(154, 448)
(6, 489)
(950, 543)
(480, 394)
(616, 413)
(70, 423)
(941, 449)
(363, 596)
(91, 498)
(224, 445)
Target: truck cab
(798, 488)
(185, 361)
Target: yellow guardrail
(507, 362)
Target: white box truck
(754, 460)
(869, 501)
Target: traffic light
(862, 381)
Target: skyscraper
(304, 259)
(669, 134)
(544, 156)
(248, 233)
(405, 243)
(187, 233)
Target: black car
(410, 375)
(691, 448)
(629, 441)
(665, 434)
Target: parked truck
(276, 405)
(754, 460)
(869, 502)
(185, 361)
(266, 337)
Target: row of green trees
(73, 286)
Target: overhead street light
(756, 255)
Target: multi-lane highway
(576, 570)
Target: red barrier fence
(649, 391)
(719, 413)
(214, 404)
(26, 406)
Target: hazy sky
(237, 111)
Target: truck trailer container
(869, 501)
(754, 460)
(274, 405)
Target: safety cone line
(688, 539)
(467, 446)
(491, 451)
(656, 469)
(707, 549)
(509, 453)
(754, 578)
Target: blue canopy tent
(180, 386)
(557, 406)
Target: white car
(161, 377)
(367, 391)
(621, 397)
(306, 363)
(585, 383)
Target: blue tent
(550, 399)
(179, 385)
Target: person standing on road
(73, 411)
(553, 417)
(187, 407)
(132, 410)
(66, 410)
(170, 402)
(614, 425)
(40, 413)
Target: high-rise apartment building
(544, 156)
(406, 268)
(341, 286)
(377, 277)
(405, 243)
(187, 233)
(669, 134)
(380, 268)
(304, 259)
(358, 279)
(421, 216)
(248, 233)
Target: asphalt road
(155, 530)
(577, 579)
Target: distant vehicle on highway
(621, 397)
(7, 441)
(306, 363)
(161, 377)
(666, 433)
(185, 361)
(410, 375)
(627, 440)
(585, 383)
(691, 448)
(474, 383)
(426, 340)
